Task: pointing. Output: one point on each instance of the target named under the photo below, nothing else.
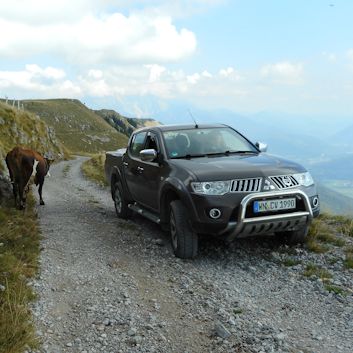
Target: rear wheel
(184, 239)
(294, 237)
(121, 205)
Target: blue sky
(247, 56)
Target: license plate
(274, 205)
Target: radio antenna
(196, 126)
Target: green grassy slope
(19, 252)
(123, 124)
(22, 128)
(79, 128)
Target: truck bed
(113, 159)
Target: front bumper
(240, 221)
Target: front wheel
(294, 237)
(121, 205)
(184, 239)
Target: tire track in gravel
(107, 286)
(95, 267)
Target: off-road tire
(293, 237)
(121, 205)
(183, 238)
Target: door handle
(125, 164)
(140, 169)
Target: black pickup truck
(210, 179)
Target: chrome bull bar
(265, 224)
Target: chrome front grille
(284, 181)
(246, 185)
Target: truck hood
(237, 166)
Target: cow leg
(41, 182)
(24, 188)
(21, 196)
(15, 193)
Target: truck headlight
(304, 179)
(211, 187)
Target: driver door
(151, 174)
(132, 165)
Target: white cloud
(96, 39)
(230, 73)
(155, 72)
(34, 80)
(226, 72)
(205, 73)
(283, 73)
(39, 12)
(118, 81)
(95, 74)
(180, 8)
(48, 72)
(194, 78)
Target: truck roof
(182, 127)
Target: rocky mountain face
(5, 188)
(122, 123)
(18, 127)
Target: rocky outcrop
(5, 188)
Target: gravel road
(108, 285)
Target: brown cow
(22, 163)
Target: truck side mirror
(148, 155)
(262, 147)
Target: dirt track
(108, 285)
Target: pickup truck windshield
(205, 142)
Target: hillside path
(108, 285)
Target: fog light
(215, 213)
(315, 201)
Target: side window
(137, 144)
(152, 142)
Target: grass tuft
(93, 169)
(289, 262)
(314, 270)
(316, 247)
(346, 228)
(348, 262)
(19, 251)
(335, 289)
(237, 311)
(323, 232)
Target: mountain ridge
(77, 126)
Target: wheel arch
(169, 194)
(172, 190)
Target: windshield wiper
(247, 151)
(188, 156)
(229, 152)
